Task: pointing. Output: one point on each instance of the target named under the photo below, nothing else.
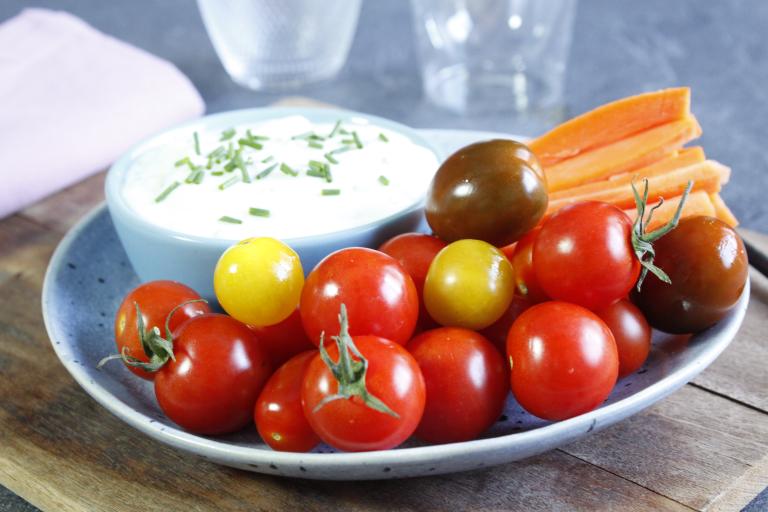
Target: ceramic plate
(89, 274)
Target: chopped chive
(349, 142)
(343, 131)
(227, 134)
(258, 212)
(327, 170)
(231, 166)
(231, 220)
(231, 181)
(216, 153)
(192, 176)
(249, 143)
(300, 136)
(199, 177)
(315, 164)
(329, 157)
(315, 136)
(316, 173)
(335, 129)
(357, 140)
(330, 192)
(244, 175)
(167, 191)
(285, 169)
(265, 172)
(342, 149)
(383, 137)
(268, 159)
(217, 173)
(314, 144)
(230, 151)
(197, 142)
(384, 180)
(183, 161)
(251, 136)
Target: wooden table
(704, 447)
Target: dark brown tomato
(707, 263)
(493, 191)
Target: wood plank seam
(731, 399)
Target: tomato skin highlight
(212, 386)
(348, 424)
(470, 284)
(279, 415)
(283, 340)
(707, 264)
(526, 283)
(156, 299)
(583, 254)
(631, 332)
(563, 360)
(380, 296)
(415, 252)
(466, 384)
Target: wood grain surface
(703, 448)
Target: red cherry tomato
(632, 333)
(526, 283)
(380, 296)
(466, 384)
(415, 252)
(155, 299)
(563, 359)
(284, 340)
(583, 254)
(497, 332)
(348, 423)
(279, 416)
(219, 369)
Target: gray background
(620, 47)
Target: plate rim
(242, 456)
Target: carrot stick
(722, 211)
(697, 203)
(625, 155)
(708, 175)
(675, 160)
(610, 123)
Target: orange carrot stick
(697, 203)
(722, 211)
(625, 155)
(610, 123)
(675, 160)
(708, 175)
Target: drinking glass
(276, 44)
(482, 57)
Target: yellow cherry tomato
(258, 281)
(469, 284)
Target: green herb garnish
(335, 129)
(315, 144)
(217, 173)
(356, 138)
(285, 169)
(263, 174)
(167, 191)
(258, 212)
(330, 192)
(268, 159)
(197, 142)
(384, 180)
(329, 157)
(183, 161)
(250, 143)
(342, 149)
(383, 137)
(231, 220)
(231, 181)
(227, 134)
(316, 173)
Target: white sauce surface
(297, 207)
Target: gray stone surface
(619, 48)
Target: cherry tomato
(493, 191)
(155, 299)
(583, 254)
(498, 331)
(706, 261)
(563, 359)
(631, 332)
(279, 416)
(379, 294)
(469, 284)
(415, 252)
(466, 384)
(526, 283)
(284, 340)
(219, 369)
(258, 281)
(393, 377)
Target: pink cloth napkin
(73, 99)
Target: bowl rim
(119, 208)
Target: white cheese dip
(374, 173)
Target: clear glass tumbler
(482, 57)
(276, 44)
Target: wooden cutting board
(704, 448)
